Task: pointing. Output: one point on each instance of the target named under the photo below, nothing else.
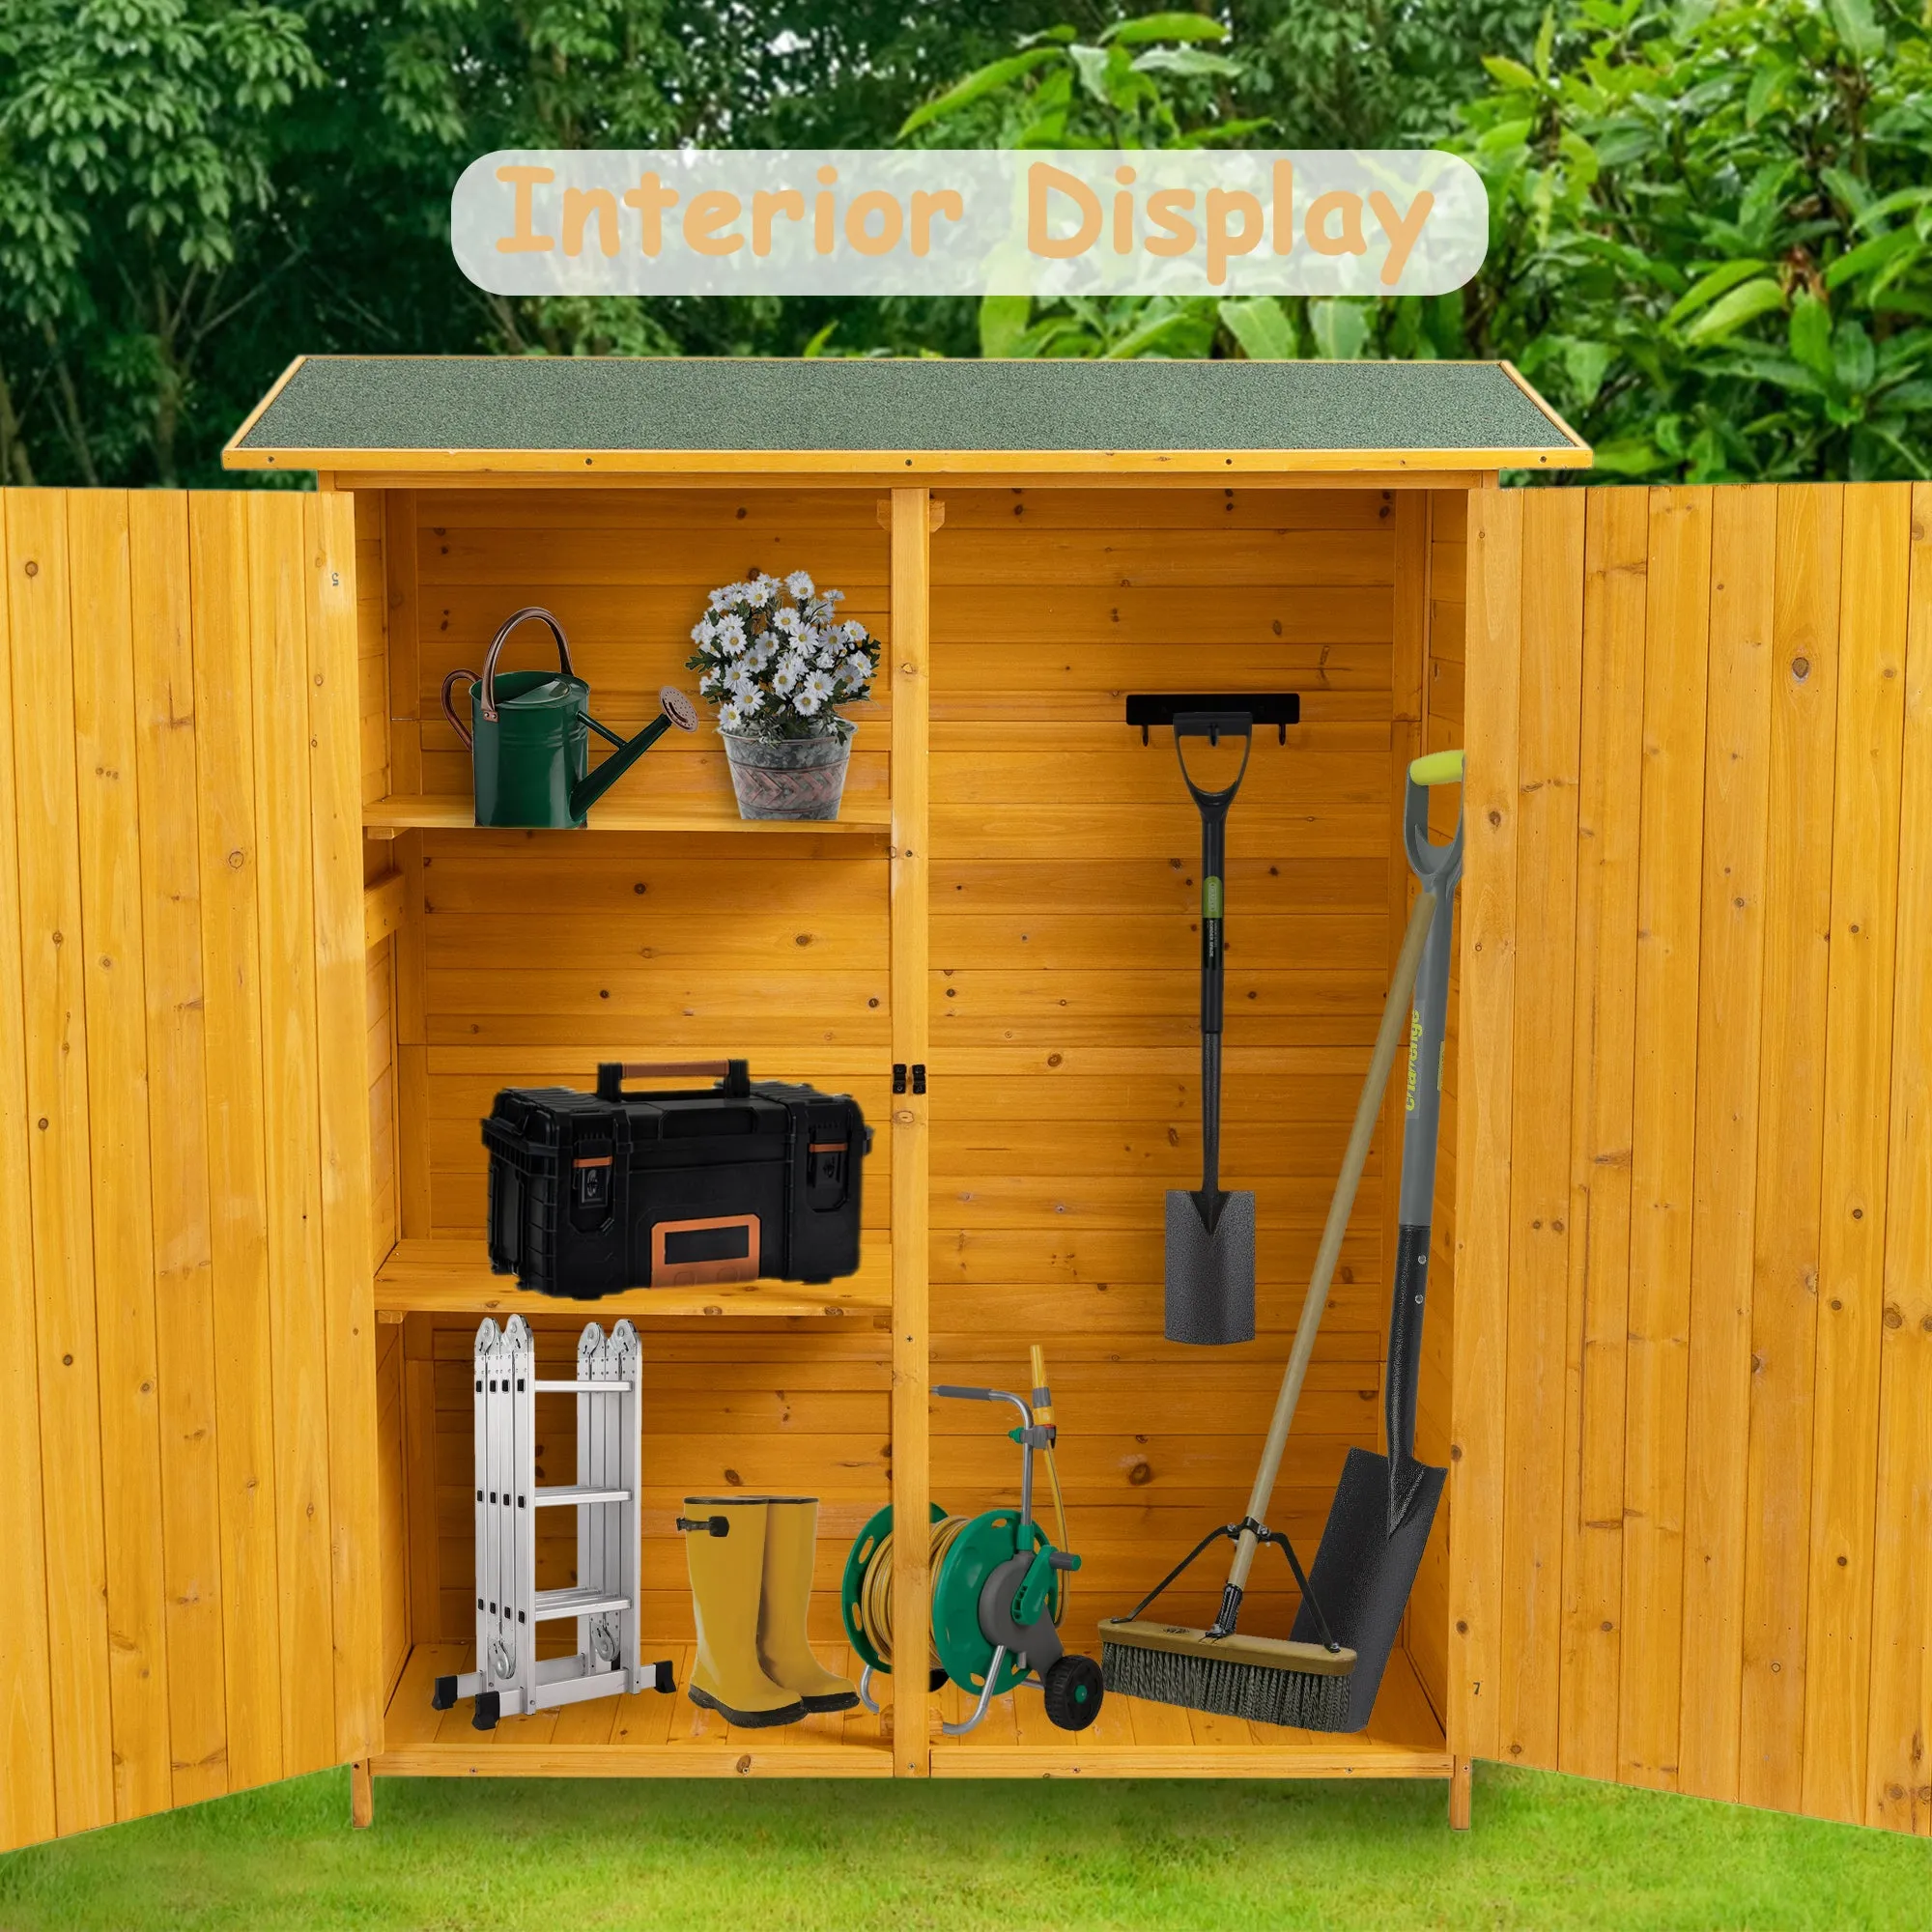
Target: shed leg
(362, 1795)
(1459, 1793)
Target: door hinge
(918, 1076)
(899, 1076)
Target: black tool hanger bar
(1279, 708)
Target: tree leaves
(1264, 329)
(995, 74)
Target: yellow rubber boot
(726, 1578)
(784, 1652)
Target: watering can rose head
(776, 660)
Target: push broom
(1324, 1676)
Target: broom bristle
(1257, 1692)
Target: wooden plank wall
(1065, 988)
(528, 959)
(379, 861)
(1693, 1348)
(188, 1600)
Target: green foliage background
(1712, 241)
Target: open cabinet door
(1692, 1485)
(187, 1514)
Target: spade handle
(1393, 1031)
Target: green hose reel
(998, 1594)
(982, 1545)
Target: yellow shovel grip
(1438, 768)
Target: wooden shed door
(186, 1433)
(1693, 1321)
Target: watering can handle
(449, 710)
(497, 643)
(489, 677)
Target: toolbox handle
(734, 1075)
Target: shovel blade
(1363, 1572)
(1211, 1267)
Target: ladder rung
(582, 1388)
(565, 1496)
(581, 1603)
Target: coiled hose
(874, 1606)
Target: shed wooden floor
(652, 1735)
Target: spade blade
(1211, 1267)
(1364, 1570)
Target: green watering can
(528, 737)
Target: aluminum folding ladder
(509, 1680)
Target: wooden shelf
(430, 811)
(453, 1277)
(1133, 1738)
(652, 1735)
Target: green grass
(553, 1856)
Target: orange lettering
(525, 241)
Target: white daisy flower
(729, 635)
(785, 677)
(800, 584)
(700, 634)
(729, 716)
(790, 622)
(852, 630)
(806, 707)
(758, 592)
(817, 687)
(858, 668)
(826, 659)
(744, 684)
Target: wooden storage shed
(260, 977)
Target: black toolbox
(594, 1193)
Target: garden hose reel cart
(998, 1588)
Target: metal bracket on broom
(1231, 1532)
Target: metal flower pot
(789, 778)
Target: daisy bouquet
(774, 657)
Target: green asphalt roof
(571, 403)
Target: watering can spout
(675, 709)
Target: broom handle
(1394, 1028)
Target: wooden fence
(1693, 1487)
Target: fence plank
(168, 828)
(1547, 749)
(62, 1212)
(291, 1157)
(26, 1712)
(1484, 1089)
(1790, 1145)
(1610, 782)
(1898, 1778)
(336, 854)
(117, 1065)
(1663, 1130)
(1730, 952)
(232, 1022)
(1865, 885)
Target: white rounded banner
(966, 221)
